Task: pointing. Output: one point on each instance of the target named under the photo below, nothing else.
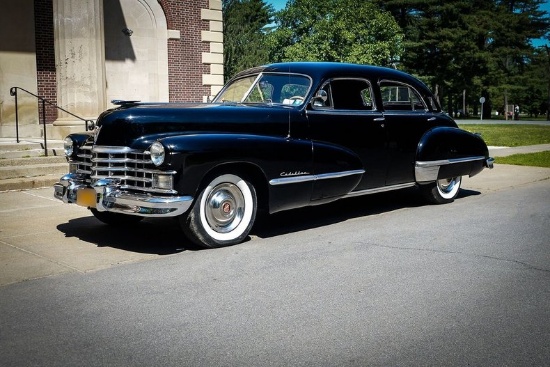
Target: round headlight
(68, 146)
(157, 153)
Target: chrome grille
(132, 167)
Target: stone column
(80, 61)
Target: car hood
(125, 126)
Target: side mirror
(320, 98)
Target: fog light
(164, 182)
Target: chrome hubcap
(446, 185)
(449, 187)
(224, 207)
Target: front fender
(195, 156)
(445, 152)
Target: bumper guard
(110, 197)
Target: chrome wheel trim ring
(448, 187)
(226, 208)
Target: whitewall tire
(442, 191)
(223, 214)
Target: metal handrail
(13, 92)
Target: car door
(406, 119)
(348, 117)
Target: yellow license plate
(86, 197)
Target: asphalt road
(383, 280)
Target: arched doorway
(136, 54)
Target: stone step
(33, 170)
(24, 165)
(26, 161)
(31, 153)
(30, 149)
(27, 183)
(30, 145)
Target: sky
(277, 4)
(539, 42)
(280, 4)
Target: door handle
(380, 120)
(431, 119)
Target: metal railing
(88, 124)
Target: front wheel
(442, 191)
(223, 213)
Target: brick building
(81, 54)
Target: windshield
(288, 89)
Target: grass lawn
(540, 159)
(514, 136)
(511, 135)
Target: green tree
(442, 43)
(535, 99)
(515, 24)
(244, 23)
(480, 46)
(335, 30)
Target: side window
(346, 94)
(293, 92)
(261, 93)
(400, 97)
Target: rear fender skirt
(445, 152)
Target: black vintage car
(276, 137)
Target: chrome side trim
(443, 162)
(428, 171)
(380, 189)
(307, 178)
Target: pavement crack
(522, 263)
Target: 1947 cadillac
(276, 137)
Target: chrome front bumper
(110, 197)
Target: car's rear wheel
(115, 219)
(223, 213)
(442, 191)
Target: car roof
(326, 70)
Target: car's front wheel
(442, 191)
(223, 213)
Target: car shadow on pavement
(150, 236)
(163, 236)
(341, 210)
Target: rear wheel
(223, 213)
(442, 191)
(115, 219)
